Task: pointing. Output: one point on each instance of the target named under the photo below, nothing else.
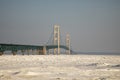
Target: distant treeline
(95, 53)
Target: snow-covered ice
(60, 67)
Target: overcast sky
(94, 25)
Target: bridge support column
(14, 52)
(23, 51)
(57, 39)
(1, 53)
(44, 50)
(32, 51)
(68, 43)
(38, 52)
(27, 51)
(55, 51)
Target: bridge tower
(57, 39)
(68, 43)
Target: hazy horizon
(93, 25)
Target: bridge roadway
(15, 47)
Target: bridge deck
(16, 47)
(4, 47)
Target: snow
(60, 67)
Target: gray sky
(93, 24)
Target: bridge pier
(55, 51)
(23, 51)
(38, 51)
(1, 53)
(44, 50)
(32, 51)
(27, 51)
(14, 52)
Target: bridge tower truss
(57, 39)
(68, 43)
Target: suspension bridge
(54, 43)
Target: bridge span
(55, 44)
